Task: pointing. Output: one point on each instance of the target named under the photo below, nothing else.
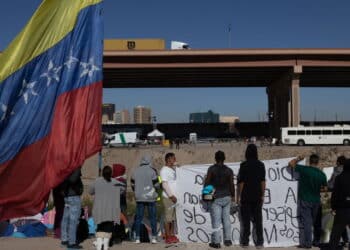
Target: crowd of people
(247, 196)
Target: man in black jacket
(340, 204)
(72, 190)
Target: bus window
(316, 132)
(346, 132)
(301, 132)
(292, 132)
(337, 132)
(308, 132)
(326, 132)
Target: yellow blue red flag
(50, 102)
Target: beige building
(142, 115)
(122, 116)
(134, 44)
(228, 119)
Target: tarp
(50, 102)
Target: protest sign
(279, 211)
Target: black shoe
(228, 243)
(244, 245)
(64, 243)
(215, 245)
(305, 247)
(74, 246)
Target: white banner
(279, 210)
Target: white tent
(155, 134)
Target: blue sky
(204, 24)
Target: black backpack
(144, 237)
(82, 231)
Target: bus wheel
(300, 143)
(346, 142)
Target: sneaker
(174, 239)
(169, 240)
(74, 246)
(228, 243)
(137, 241)
(154, 241)
(215, 245)
(259, 247)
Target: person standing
(221, 178)
(72, 189)
(168, 175)
(106, 208)
(340, 203)
(144, 181)
(338, 169)
(251, 190)
(311, 182)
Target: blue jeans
(307, 217)
(152, 213)
(220, 213)
(71, 215)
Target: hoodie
(143, 181)
(341, 192)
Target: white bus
(316, 135)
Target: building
(108, 110)
(134, 44)
(122, 117)
(207, 117)
(228, 119)
(142, 115)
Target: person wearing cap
(340, 204)
(221, 178)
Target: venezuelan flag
(50, 102)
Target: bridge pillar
(284, 102)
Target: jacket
(144, 181)
(73, 185)
(341, 192)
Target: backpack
(144, 237)
(82, 231)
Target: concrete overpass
(281, 71)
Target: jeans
(307, 217)
(71, 215)
(342, 218)
(220, 213)
(251, 211)
(152, 213)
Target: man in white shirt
(168, 175)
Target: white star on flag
(71, 60)
(52, 73)
(89, 68)
(27, 89)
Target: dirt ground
(49, 243)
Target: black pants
(252, 211)
(342, 218)
(317, 227)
